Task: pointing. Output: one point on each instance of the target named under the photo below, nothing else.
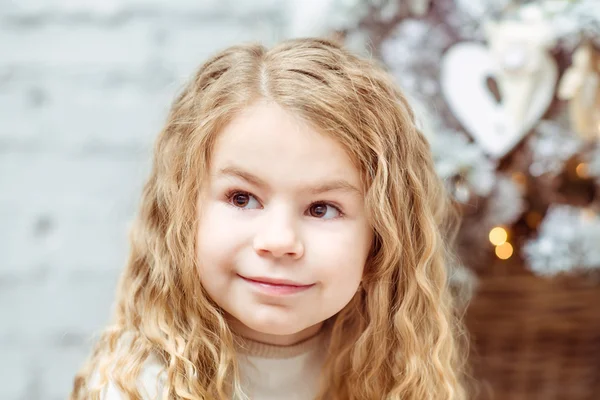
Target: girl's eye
(243, 200)
(324, 211)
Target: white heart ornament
(464, 71)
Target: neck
(277, 340)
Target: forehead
(280, 147)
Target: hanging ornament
(580, 85)
(517, 59)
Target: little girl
(291, 243)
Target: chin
(271, 328)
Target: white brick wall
(84, 88)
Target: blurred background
(508, 93)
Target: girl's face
(283, 234)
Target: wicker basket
(535, 338)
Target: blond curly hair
(398, 338)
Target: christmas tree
(508, 93)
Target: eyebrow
(330, 186)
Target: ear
(569, 84)
(582, 57)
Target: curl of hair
(399, 338)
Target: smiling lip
(276, 286)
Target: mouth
(276, 286)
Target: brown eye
(318, 210)
(240, 199)
(324, 211)
(243, 200)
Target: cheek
(342, 257)
(215, 249)
(340, 264)
(215, 237)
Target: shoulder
(150, 382)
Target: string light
(582, 170)
(504, 251)
(498, 236)
(519, 178)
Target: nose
(278, 237)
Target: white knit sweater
(268, 372)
